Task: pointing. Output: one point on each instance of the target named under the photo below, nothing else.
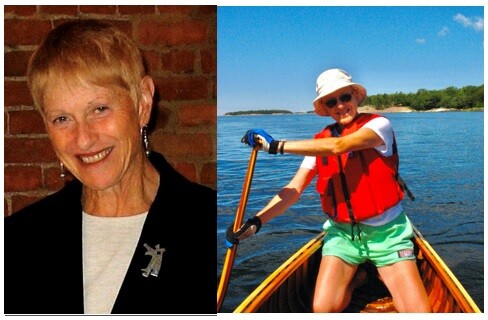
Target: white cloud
(479, 24)
(420, 41)
(443, 32)
(476, 23)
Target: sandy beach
(369, 109)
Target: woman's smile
(344, 112)
(88, 159)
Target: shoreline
(370, 109)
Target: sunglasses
(331, 103)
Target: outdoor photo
(350, 159)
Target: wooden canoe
(290, 287)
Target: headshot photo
(110, 159)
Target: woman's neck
(133, 195)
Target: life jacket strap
(403, 184)
(358, 231)
(335, 133)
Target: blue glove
(248, 229)
(261, 138)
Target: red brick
(137, 9)
(214, 90)
(208, 175)
(152, 60)
(52, 180)
(26, 122)
(188, 170)
(20, 10)
(28, 150)
(6, 207)
(180, 33)
(17, 93)
(179, 61)
(186, 145)
(60, 9)
(209, 60)
(124, 26)
(207, 9)
(25, 32)
(16, 63)
(176, 9)
(182, 88)
(161, 116)
(199, 115)
(20, 202)
(5, 124)
(22, 178)
(99, 9)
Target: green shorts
(381, 245)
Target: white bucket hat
(329, 82)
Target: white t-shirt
(108, 246)
(383, 128)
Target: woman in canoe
(355, 161)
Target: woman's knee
(320, 307)
(329, 305)
(332, 287)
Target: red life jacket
(357, 185)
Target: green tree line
(469, 97)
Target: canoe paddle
(230, 255)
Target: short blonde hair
(86, 52)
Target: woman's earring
(62, 174)
(145, 141)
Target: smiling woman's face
(95, 132)
(343, 111)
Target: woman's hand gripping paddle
(230, 255)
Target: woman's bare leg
(405, 285)
(335, 284)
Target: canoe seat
(367, 305)
(373, 296)
(381, 305)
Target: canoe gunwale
(276, 279)
(455, 287)
(451, 285)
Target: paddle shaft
(230, 255)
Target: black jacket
(43, 253)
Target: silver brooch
(156, 259)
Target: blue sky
(269, 57)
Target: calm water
(441, 159)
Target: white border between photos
(262, 3)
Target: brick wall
(179, 45)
